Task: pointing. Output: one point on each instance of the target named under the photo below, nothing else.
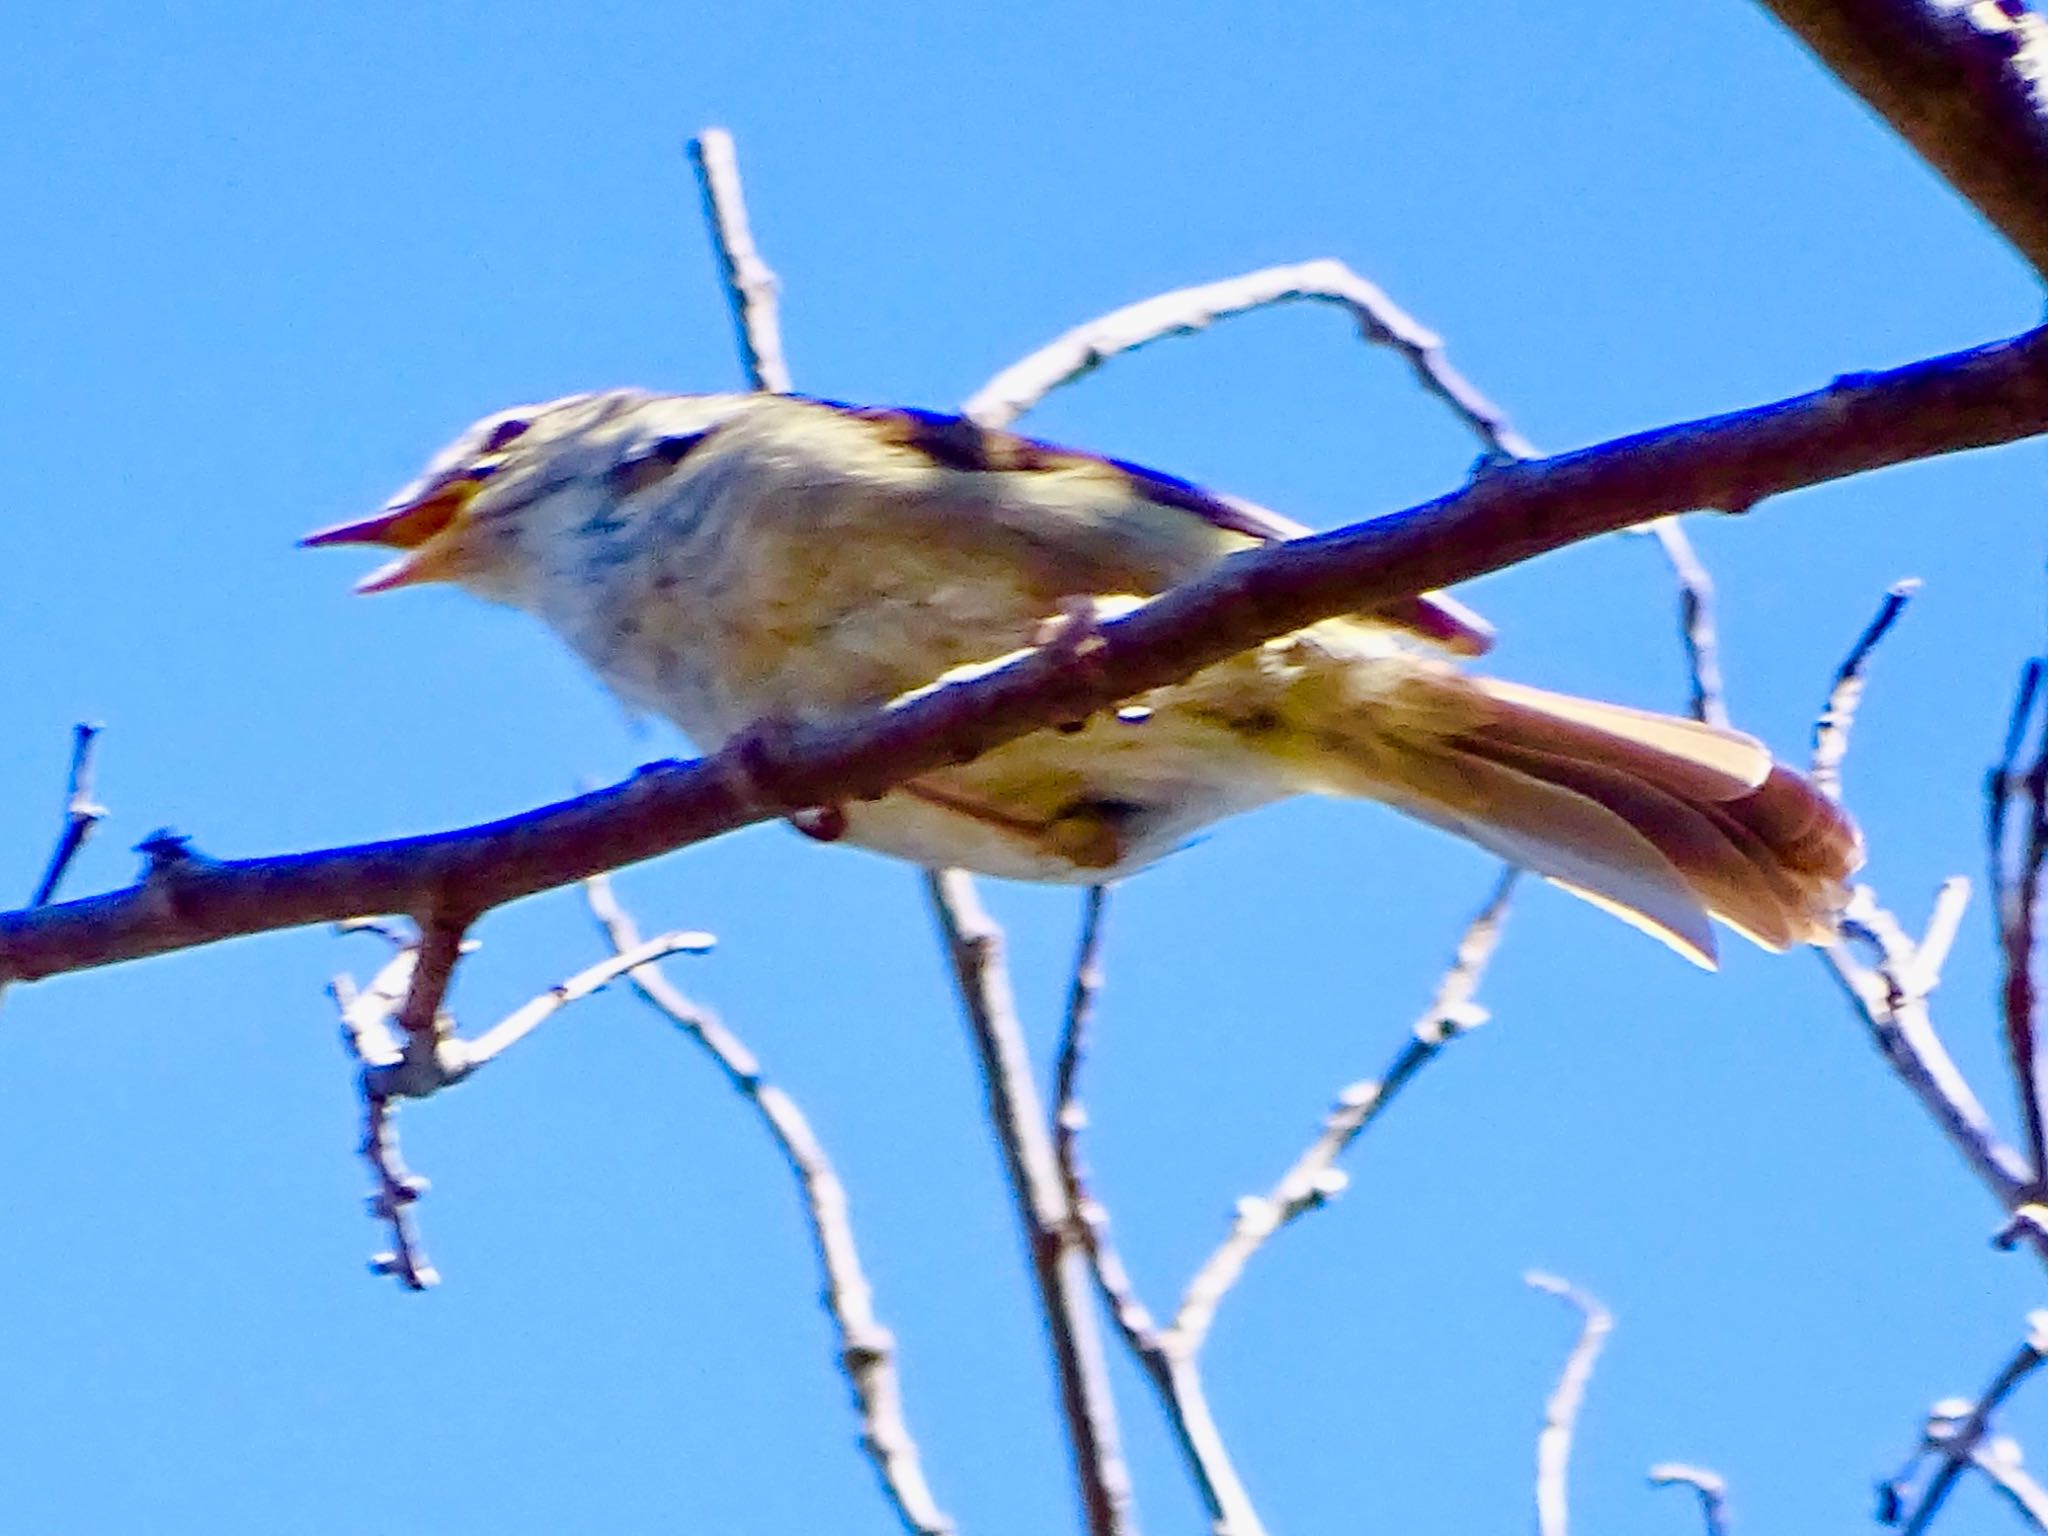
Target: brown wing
(961, 444)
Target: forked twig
(867, 1349)
(1955, 1433)
(1169, 1363)
(1561, 1412)
(1998, 1457)
(395, 1063)
(1059, 1265)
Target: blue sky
(262, 264)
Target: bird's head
(478, 515)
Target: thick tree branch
(1508, 514)
(1964, 83)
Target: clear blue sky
(260, 262)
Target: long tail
(1661, 820)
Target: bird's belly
(1079, 808)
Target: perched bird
(727, 559)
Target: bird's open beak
(421, 525)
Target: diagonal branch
(750, 286)
(1956, 1431)
(1508, 514)
(974, 946)
(1315, 1178)
(1695, 621)
(867, 1349)
(1965, 84)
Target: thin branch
(750, 286)
(2016, 879)
(1169, 1362)
(1561, 1413)
(1711, 1487)
(1186, 311)
(1998, 1458)
(377, 1050)
(1695, 621)
(81, 812)
(867, 1349)
(1509, 513)
(521, 1022)
(1890, 993)
(1966, 85)
(1956, 1429)
(1888, 976)
(974, 945)
(396, 1061)
(1315, 1179)
(1838, 715)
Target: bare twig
(1695, 621)
(1965, 84)
(1070, 1119)
(377, 1051)
(1380, 320)
(2016, 868)
(1888, 976)
(1314, 1177)
(482, 1049)
(1838, 715)
(1561, 1413)
(1955, 1431)
(1998, 1458)
(1711, 1487)
(867, 1349)
(1508, 514)
(395, 1062)
(1169, 1362)
(1058, 1264)
(749, 284)
(81, 812)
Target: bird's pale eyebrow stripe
(954, 442)
(654, 463)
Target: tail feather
(1663, 820)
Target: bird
(730, 560)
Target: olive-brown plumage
(723, 559)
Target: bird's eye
(505, 433)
